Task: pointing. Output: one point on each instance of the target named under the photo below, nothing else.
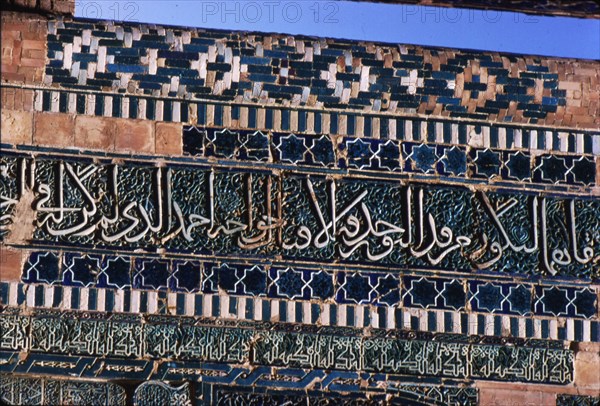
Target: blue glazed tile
(151, 274)
(388, 155)
(354, 287)
(302, 121)
(256, 146)
(126, 68)
(318, 123)
(448, 322)
(254, 281)
(423, 158)
(283, 311)
(80, 270)
(322, 151)
(109, 301)
(39, 296)
(227, 276)
(186, 276)
(180, 304)
(249, 309)
(289, 283)
(321, 285)
(453, 295)
(80, 104)
(224, 144)
(198, 305)
(4, 288)
(194, 140)
(420, 292)
(519, 299)
(585, 303)
(388, 290)
(251, 117)
(487, 163)
(93, 299)
(519, 166)
(75, 296)
(552, 169)
(455, 161)
(487, 297)
(584, 171)
(350, 124)
(266, 310)
(41, 267)
(292, 148)
(359, 153)
(115, 273)
(233, 305)
(552, 301)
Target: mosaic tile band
(354, 76)
(274, 345)
(212, 391)
(228, 307)
(353, 154)
(202, 210)
(278, 280)
(477, 133)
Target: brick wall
(24, 47)
(63, 7)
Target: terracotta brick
(169, 138)
(33, 63)
(54, 129)
(24, 100)
(510, 397)
(11, 264)
(587, 367)
(34, 44)
(46, 6)
(17, 127)
(95, 132)
(135, 136)
(8, 98)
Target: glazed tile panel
(326, 313)
(194, 209)
(219, 387)
(487, 294)
(316, 348)
(381, 127)
(418, 156)
(183, 65)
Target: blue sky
(409, 24)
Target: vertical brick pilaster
(24, 47)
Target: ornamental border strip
(268, 344)
(409, 289)
(232, 308)
(311, 122)
(403, 190)
(391, 156)
(351, 75)
(203, 382)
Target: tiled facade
(209, 217)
